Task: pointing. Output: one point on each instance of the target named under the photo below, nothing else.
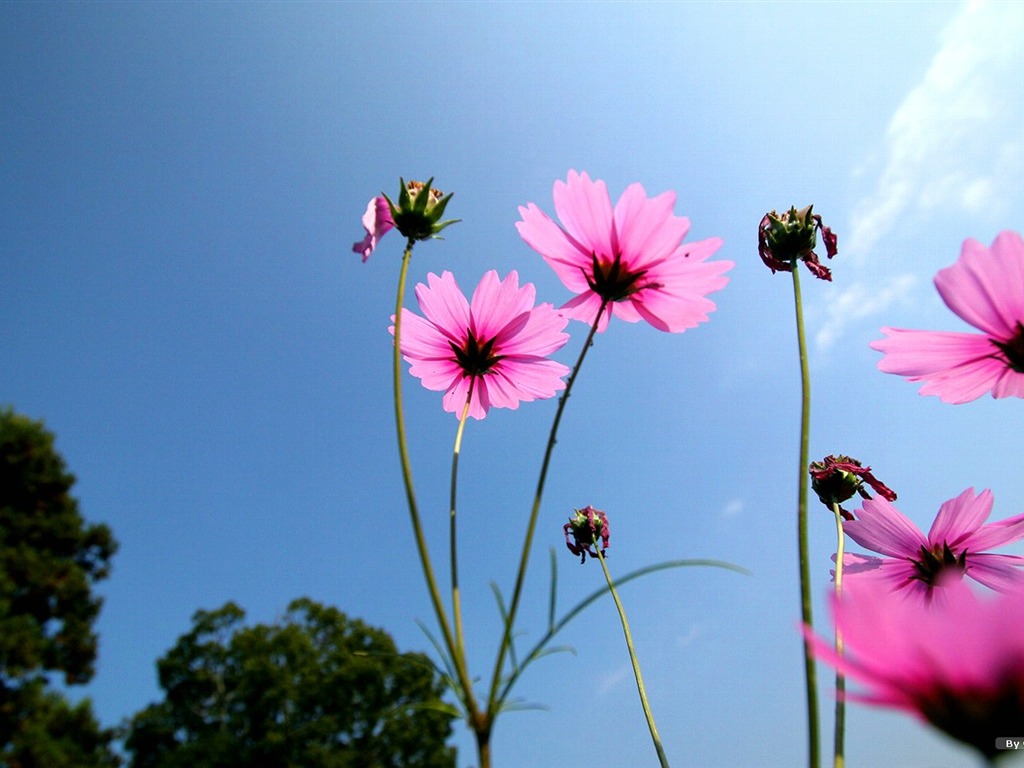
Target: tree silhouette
(316, 690)
(49, 560)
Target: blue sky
(181, 187)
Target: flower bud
(837, 478)
(584, 529)
(783, 239)
(419, 210)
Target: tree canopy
(50, 558)
(313, 690)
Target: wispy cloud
(858, 302)
(732, 509)
(606, 681)
(695, 632)
(954, 144)
(955, 140)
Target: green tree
(314, 690)
(48, 732)
(49, 561)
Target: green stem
(456, 602)
(506, 638)
(454, 650)
(662, 759)
(839, 758)
(555, 627)
(810, 674)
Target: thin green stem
(662, 759)
(458, 658)
(839, 758)
(456, 602)
(506, 638)
(555, 627)
(810, 673)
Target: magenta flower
(494, 347)
(957, 663)
(985, 288)
(377, 222)
(631, 258)
(954, 546)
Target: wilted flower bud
(583, 530)
(784, 238)
(419, 210)
(837, 478)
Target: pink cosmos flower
(377, 222)
(631, 257)
(985, 288)
(954, 546)
(494, 346)
(957, 663)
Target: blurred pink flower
(632, 256)
(377, 222)
(954, 546)
(985, 288)
(497, 343)
(957, 663)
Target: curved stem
(662, 759)
(506, 638)
(810, 673)
(458, 658)
(555, 627)
(839, 758)
(456, 602)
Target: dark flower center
(937, 560)
(1014, 349)
(976, 717)
(475, 358)
(613, 282)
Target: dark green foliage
(49, 560)
(314, 690)
(45, 731)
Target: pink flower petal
(880, 527)
(960, 517)
(559, 251)
(377, 222)
(959, 367)
(585, 210)
(890, 574)
(647, 230)
(986, 286)
(1002, 573)
(995, 534)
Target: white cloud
(606, 681)
(955, 141)
(858, 302)
(732, 509)
(695, 632)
